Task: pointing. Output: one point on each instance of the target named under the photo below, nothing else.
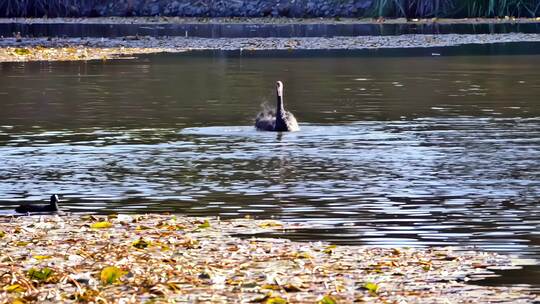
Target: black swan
(51, 207)
(279, 121)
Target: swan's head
(54, 199)
(279, 88)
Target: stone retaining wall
(261, 8)
(185, 8)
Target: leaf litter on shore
(15, 49)
(167, 258)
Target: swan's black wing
(290, 121)
(265, 121)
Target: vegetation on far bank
(456, 8)
(272, 8)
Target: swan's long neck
(280, 109)
(281, 124)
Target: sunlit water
(402, 151)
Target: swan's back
(265, 121)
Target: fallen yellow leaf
(140, 244)
(100, 225)
(205, 224)
(42, 257)
(22, 52)
(271, 286)
(330, 249)
(327, 300)
(276, 300)
(111, 274)
(302, 255)
(40, 274)
(270, 224)
(371, 287)
(14, 288)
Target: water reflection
(442, 154)
(405, 178)
(216, 30)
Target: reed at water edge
(455, 8)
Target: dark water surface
(406, 151)
(209, 30)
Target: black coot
(51, 207)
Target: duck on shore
(279, 121)
(51, 207)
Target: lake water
(393, 150)
(232, 30)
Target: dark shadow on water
(528, 275)
(260, 30)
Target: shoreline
(74, 49)
(163, 258)
(26, 49)
(267, 20)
